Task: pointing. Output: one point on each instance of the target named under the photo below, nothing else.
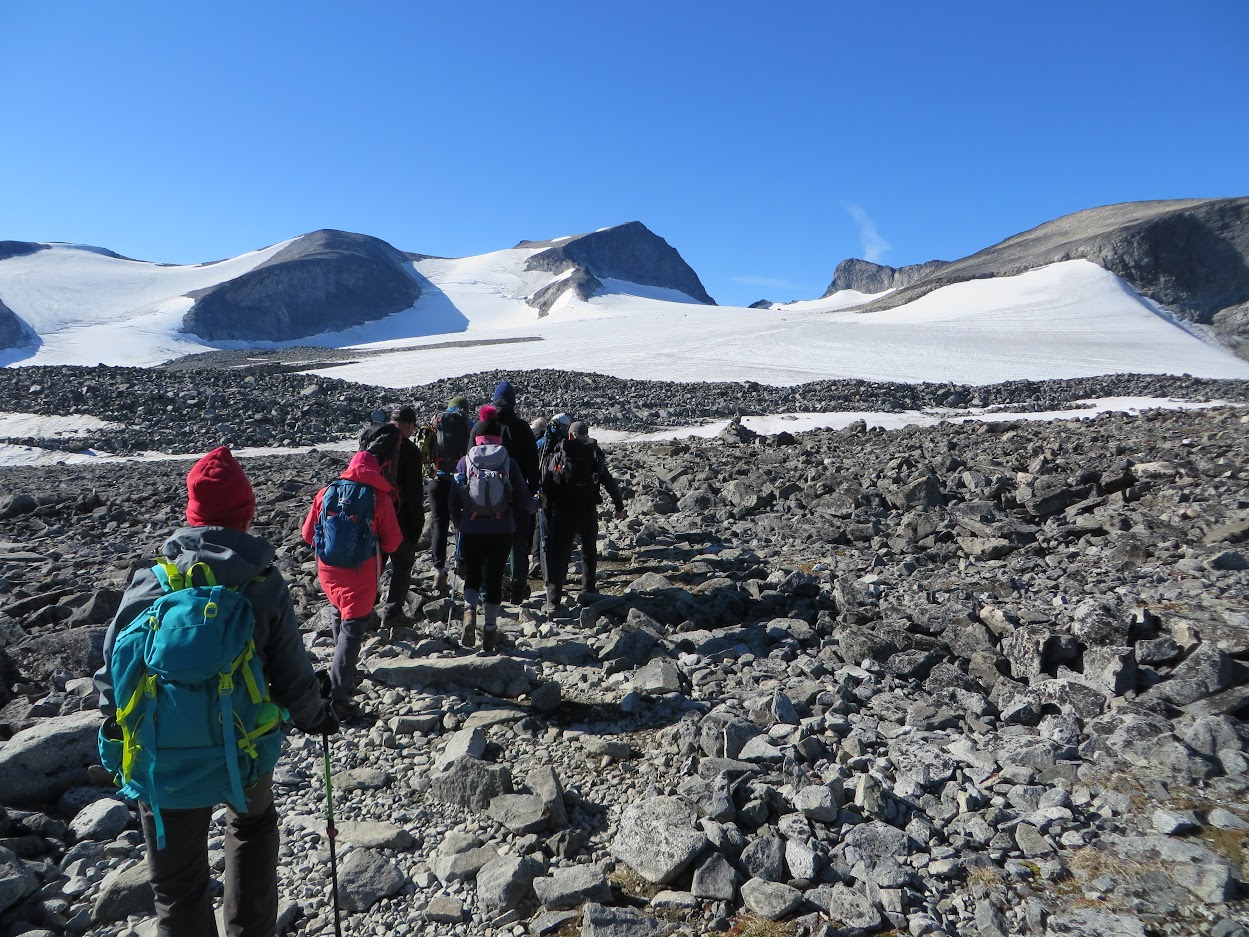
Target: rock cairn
(964, 679)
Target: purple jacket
(461, 514)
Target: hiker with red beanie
(489, 501)
(352, 589)
(219, 511)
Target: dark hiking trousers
(439, 489)
(562, 528)
(400, 578)
(181, 877)
(484, 558)
(521, 542)
(348, 635)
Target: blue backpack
(195, 719)
(344, 533)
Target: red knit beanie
(218, 492)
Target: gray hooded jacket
(236, 559)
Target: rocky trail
(981, 679)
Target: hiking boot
(489, 640)
(520, 591)
(587, 597)
(468, 637)
(440, 580)
(551, 605)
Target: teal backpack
(195, 720)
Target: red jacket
(354, 591)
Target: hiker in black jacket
(575, 471)
(406, 473)
(520, 445)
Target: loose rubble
(979, 679)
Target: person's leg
(394, 607)
(473, 556)
(520, 559)
(497, 551)
(587, 529)
(559, 537)
(179, 873)
(439, 522)
(250, 904)
(343, 675)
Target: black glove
(325, 724)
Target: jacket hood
(363, 468)
(235, 557)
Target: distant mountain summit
(1189, 255)
(14, 333)
(629, 252)
(325, 281)
(866, 277)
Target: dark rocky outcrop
(867, 277)
(13, 331)
(630, 252)
(19, 248)
(322, 282)
(1190, 255)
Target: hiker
(537, 426)
(489, 501)
(406, 474)
(175, 803)
(575, 470)
(556, 430)
(351, 523)
(521, 446)
(448, 442)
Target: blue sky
(765, 142)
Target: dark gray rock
(365, 878)
(507, 882)
(867, 277)
(325, 281)
(472, 783)
(629, 252)
(14, 332)
(770, 900)
(124, 893)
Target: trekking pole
(331, 833)
(542, 544)
(455, 568)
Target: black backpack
(450, 442)
(571, 470)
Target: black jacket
(576, 499)
(520, 445)
(235, 558)
(410, 484)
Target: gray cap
(579, 429)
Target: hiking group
(204, 658)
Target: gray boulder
(16, 881)
(41, 762)
(506, 882)
(365, 878)
(124, 893)
(657, 838)
(571, 887)
(770, 900)
(600, 921)
(102, 820)
(496, 676)
(472, 783)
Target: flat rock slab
(495, 676)
(124, 893)
(770, 900)
(373, 834)
(571, 887)
(598, 921)
(657, 838)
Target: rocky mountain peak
(867, 277)
(324, 281)
(630, 252)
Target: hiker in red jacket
(353, 592)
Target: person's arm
(292, 682)
(389, 534)
(144, 589)
(310, 522)
(522, 499)
(606, 480)
(455, 505)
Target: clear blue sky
(761, 140)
